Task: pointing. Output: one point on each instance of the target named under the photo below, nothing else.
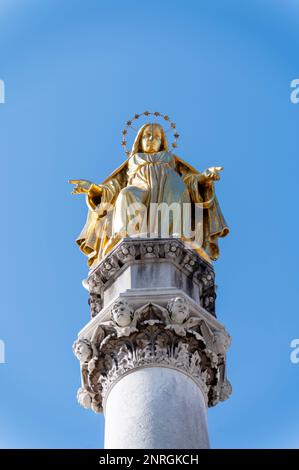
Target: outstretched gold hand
(212, 173)
(81, 186)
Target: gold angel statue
(131, 201)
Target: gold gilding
(152, 176)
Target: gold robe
(145, 179)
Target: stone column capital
(152, 335)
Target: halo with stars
(148, 113)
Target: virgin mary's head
(150, 139)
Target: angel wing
(100, 335)
(192, 321)
(180, 330)
(163, 311)
(138, 313)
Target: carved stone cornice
(132, 251)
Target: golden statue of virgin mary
(154, 193)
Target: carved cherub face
(82, 350)
(122, 313)
(178, 309)
(151, 138)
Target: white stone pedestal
(153, 356)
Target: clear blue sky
(74, 72)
